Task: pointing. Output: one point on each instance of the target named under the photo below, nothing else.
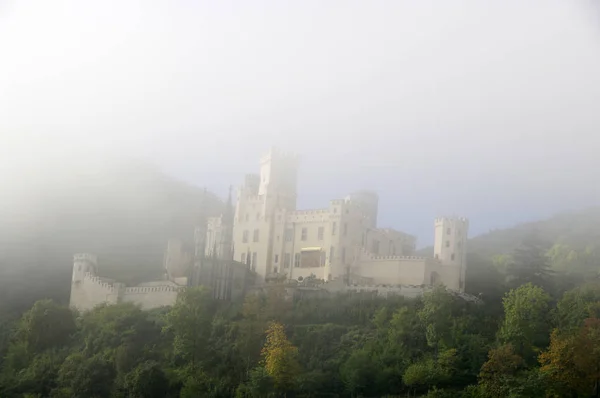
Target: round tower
(82, 264)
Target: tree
(572, 362)
(147, 380)
(529, 264)
(499, 373)
(81, 377)
(576, 305)
(190, 324)
(526, 320)
(280, 358)
(436, 316)
(46, 325)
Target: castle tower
(278, 180)
(450, 248)
(82, 264)
(369, 205)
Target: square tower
(279, 178)
(450, 240)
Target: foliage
(526, 323)
(280, 358)
(438, 345)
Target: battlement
(395, 258)
(152, 289)
(337, 201)
(373, 257)
(318, 215)
(440, 220)
(278, 153)
(96, 280)
(86, 257)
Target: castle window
(253, 261)
(334, 210)
(276, 258)
(448, 231)
(343, 255)
(255, 236)
(331, 253)
(245, 237)
(287, 259)
(304, 234)
(447, 243)
(288, 234)
(334, 227)
(243, 258)
(452, 257)
(275, 270)
(345, 228)
(323, 259)
(297, 260)
(321, 232)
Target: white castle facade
(265, 237)
(340, 241)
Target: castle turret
(450, 248)
(82, 264)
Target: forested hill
(577, 230)
(125, 214)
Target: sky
(483, 109)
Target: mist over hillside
(124, 213)
(577, 230)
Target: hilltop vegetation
(439, 346)
(578, 230)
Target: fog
(484, 109)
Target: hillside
(577, 230)
(124, 214)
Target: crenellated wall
(89, 290)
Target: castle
(263, 237)
(341, 241)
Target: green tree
(530, 264)
(81, 377)
(147, 380)
(526, 323)
(46, 325)
(190, 324)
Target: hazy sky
(488, 109)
